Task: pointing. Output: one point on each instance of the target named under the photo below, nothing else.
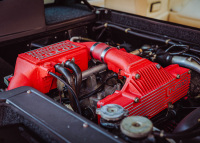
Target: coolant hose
(69, 79)
(184, 62)
(78, 74)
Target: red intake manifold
(149, 88)
(32, 67)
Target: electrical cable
(184, 47)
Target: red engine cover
(153, 85)
(155, 89)
(32, 67)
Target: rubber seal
(92, 48)
(104, 53)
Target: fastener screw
(85, 125)
(137, 76)
(136, 100)
(178, 76)
(158, 66)
(189, 59)
(28, 91)
(189, 71)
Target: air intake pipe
(117, 60)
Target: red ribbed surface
(32, 67)
(157, 101)
(151, 79)
(155, 89)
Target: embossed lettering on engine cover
(51, 50)
(32, 67)
(38, 55)
(177, 86)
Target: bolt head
(158, 66)
(137, 76)
(106, 12)
(85, 125)
(178, 76)
(29, 91)
(189, 72)
(97, 12)
(189, 59)
(136, 100)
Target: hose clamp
(106, 25)
(127, 29)
(92, 48)
(104, 53)
(167, 41)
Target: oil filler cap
(112, 112)
(136, 127)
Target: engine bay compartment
(120, 78)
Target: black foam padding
(10, 116)
(5, 69)
(48, 119)
(153, 26)
(56, 14)
(19, 133)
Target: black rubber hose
(100, 88)
(194, 57)
(195, 50)
(78, 74)
(69, 79)
(147, 36)
(93, 92)
(130, 32)
(191, 55)
(96, 90)
(184, 47)
(189, 133)
(67, 75)
(71, 90)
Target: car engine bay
(136, 85)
